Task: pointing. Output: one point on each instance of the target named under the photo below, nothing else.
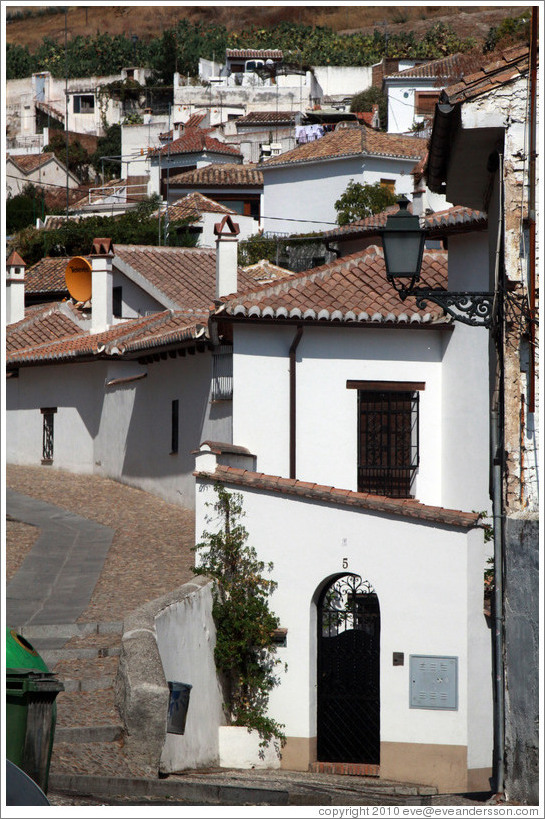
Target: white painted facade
(429, 584)
(401, 92)
(299, 197)
(51, 173)
(343, 81)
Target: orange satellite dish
(78, 278)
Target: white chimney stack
(15, 288)
(102, 283)
(226, 256)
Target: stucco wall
(452, 405)
(428, 579)
(186, 637)
(343, 81)
(301, 197)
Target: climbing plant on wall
(245, 652)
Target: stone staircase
(89, 732)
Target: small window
(48, 414)
(388, 455)
(424, 102)
(222, 373)
(390, 184)
(84, 104)
(117, 301)
(175, 426)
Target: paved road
(56, 580)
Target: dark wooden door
(349, 672)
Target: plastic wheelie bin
(31, 690)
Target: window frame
(48, 428)
(388, 433)
(174, 426)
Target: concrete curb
(52, 656)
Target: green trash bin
(31, 691)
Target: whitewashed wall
(122, 431)
(135, 141)
(301, 197)
(135, 301)
(465, 416)
(186, 637)
(428, 579)
(248, 227)
(343, 80)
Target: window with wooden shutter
(424, 102)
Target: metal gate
(349, 672)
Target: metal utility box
(433, 682)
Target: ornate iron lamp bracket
(475, 309)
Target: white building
(42, 170)
(301, 186)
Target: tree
(361, 200)
(107, 146)
(78, 158)
(364, 101)
(245, 651)
(23, 209)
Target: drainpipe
(293, 398)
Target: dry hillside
(149, 21)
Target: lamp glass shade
(403, 251)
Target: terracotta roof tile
(186, 276)
(193, 204)
(507, 66)
(351, 289)
(451, 220)
(359, 140)
(29, 162)
(447, 68)
(40, 326)
(195, 141)
(251, 53)
(217, 175)
(15, 259)
(329, 494)
(267, 118)
(47, 275)
(265, 271)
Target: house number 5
(345, 563)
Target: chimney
(101, 304)
(226, 256)
(15, 288)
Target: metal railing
(121, 194)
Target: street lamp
(403, 245)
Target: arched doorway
(348, 724)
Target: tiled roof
(40, 326)
(111, 183)
(351, 289)
(193, 205)
(408, 508)
(267, 118)
(265, 271)
(360, 140)
(185, 276)
(29, 162)
(135, 336)
(195, 119)
(195, 141)
(47, 275)
(507, 66)
(251, 53)
(450, 68)
(15, 260)
(450, 220)
(216, 175)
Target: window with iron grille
(48, 414)
(222, 373)
(388, 441)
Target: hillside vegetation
(180, 35)
(179, 47)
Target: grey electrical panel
(434, 682)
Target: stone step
(96, 733)
(85, 709)
(69, 630)
(53, 656)
(88, 684)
